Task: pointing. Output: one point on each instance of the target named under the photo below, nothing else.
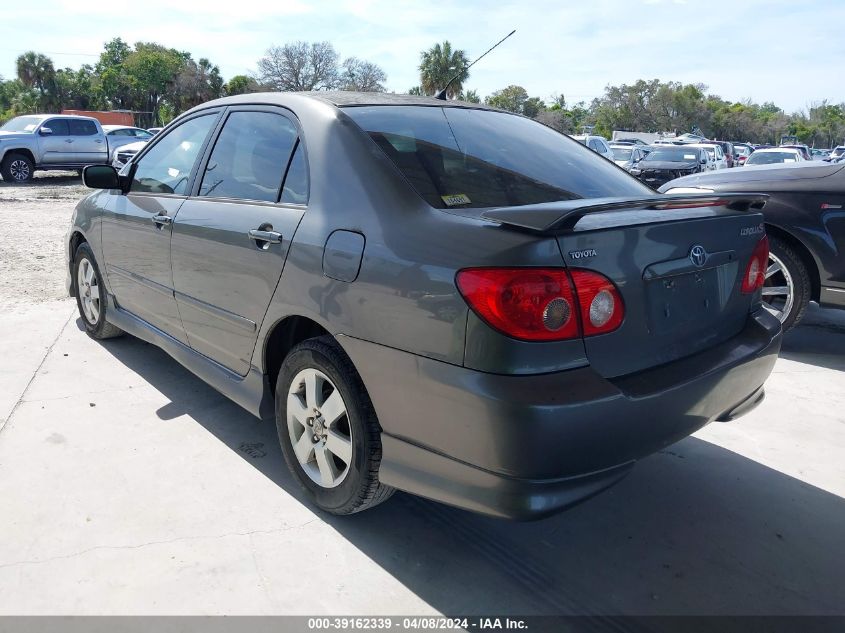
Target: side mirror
(45, 131)
(101, 177)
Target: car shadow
(818, 340)
(695, 529)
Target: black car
(805, 222)
(423, 299)
(667, 162)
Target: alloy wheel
(19, 170)
(779, 289)
(319, 429)
(89, 291)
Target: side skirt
(252, 391)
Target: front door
(137, 226)
(231, 237)
(57, 146)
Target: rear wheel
(328, 429)
(17, 168)
(786, 292)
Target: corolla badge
(698, 255)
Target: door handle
(271, 237)
(161, 220)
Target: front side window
(58, 127)
(121, 132)
(461, 157)
(82, 127)
(250, 157)
(143, 134)
(167, 166)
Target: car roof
(342, 98)
(771, 150)
(120, 127)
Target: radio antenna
(441, 94)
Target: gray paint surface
(476, 385)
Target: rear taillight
(755, 271)
(602, 310)
(542, 304)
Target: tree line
(158, 83)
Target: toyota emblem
(698, 255)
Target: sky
(786, 51)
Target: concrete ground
(128, 486)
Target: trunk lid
(678, 301)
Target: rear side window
(82, 127)
(250, 157)
(456, 157)
(295, 190)
(167, 166)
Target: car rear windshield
(456, 157)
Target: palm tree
(36, 71)
(438, 65)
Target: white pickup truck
(54, 141)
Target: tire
(91, 295)
(331, 483)
(17, 168)
(786, 271)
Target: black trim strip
(224, 315)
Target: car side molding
(564, 214)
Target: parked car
(423, 299)
(742, 154)
(667, 163)
(727, 151)
(714, 152)
(49, 142)
(774, 155)
(122, 155)
(626, 156)
(119, 135)
(803, 219)
(837, 152)
(819, 153)
(596, 143)
(802, 149)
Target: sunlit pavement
(129, 486)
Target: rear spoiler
(553, 216)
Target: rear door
(232, 235)
(89, 144)
(677, 302)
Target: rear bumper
(528, 446)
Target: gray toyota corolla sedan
(429, 296)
